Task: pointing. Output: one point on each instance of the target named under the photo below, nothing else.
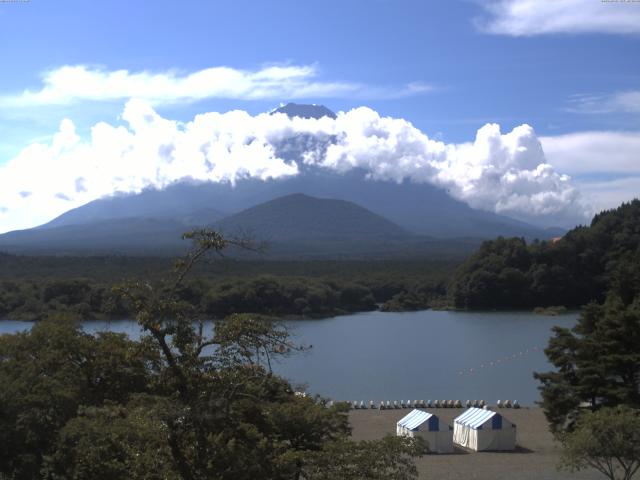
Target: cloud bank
(539, 17)
(68, 84)
(600, 152)
(506, 173)
(605, 165)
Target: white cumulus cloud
(539, 17)
(501, 172)
(71, 83)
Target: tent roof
(414, 419)
(475, 417)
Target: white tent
(438, 435)
(479, 429)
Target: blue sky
(565, 67)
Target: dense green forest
(32, 288)
(572, 271)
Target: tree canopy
(33, 288)
(607, 440)
(572, 271)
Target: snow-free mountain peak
(305, 111)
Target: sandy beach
(536, 457)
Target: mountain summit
(305, 111)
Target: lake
(412, 355)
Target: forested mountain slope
(572, 271)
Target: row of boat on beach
(399, 404)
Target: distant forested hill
(572, 271)
(299, 217)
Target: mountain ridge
(294, 226)
(419, 208)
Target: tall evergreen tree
(597, 361)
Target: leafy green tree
(47, 374)
(607, 440)
(112, 442)
(388, 459)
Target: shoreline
(344, 313)
(535, 458)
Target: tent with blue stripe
(479, 429)
(437, 434)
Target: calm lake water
(417, 355)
